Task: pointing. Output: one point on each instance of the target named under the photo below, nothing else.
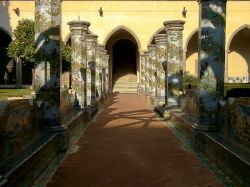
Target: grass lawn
(5, 93)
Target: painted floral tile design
(211, 59)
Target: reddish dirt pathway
(128, 147)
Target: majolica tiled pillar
(143, 73)
(211, 61)
(98, 71)
(91, 69)
(161, 82)
(48, 46)
(152, 70)
(107, 74)
(103, 82)
(147, 73)
(174, 31)
(103, 53)
(78, 61)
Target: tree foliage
(189, 79)
(23, 46)
(66, 57)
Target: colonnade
(161, 78)
(161, 67)
(89, 65)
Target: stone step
(127, 81)
(129, 77)
(126, 84)
(125, 87)
(125, 90)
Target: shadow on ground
(128, 146)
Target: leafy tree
(22, 48)
(189, 79)
(66, 57)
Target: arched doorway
(239, 56)
(123, 51)
(124, 58)
(6, 65)
(191, 64)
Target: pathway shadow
(136, 116)
(127, 146)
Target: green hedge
(227, 86)
(5, 93)
(240, 86)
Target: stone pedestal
(91, 70)
(174, 29)
(48, 46)
(152, 71)
(211, 51)
(78, 61)
(161, 67)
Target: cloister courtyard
(124, 93)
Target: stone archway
(191, 49)
(123, 50)
(67, 39)
(152, 38)
(238, 64)
(5, 66)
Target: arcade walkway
(127, 146)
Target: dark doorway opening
(6, 65)
(124, 58)
(122, 48)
